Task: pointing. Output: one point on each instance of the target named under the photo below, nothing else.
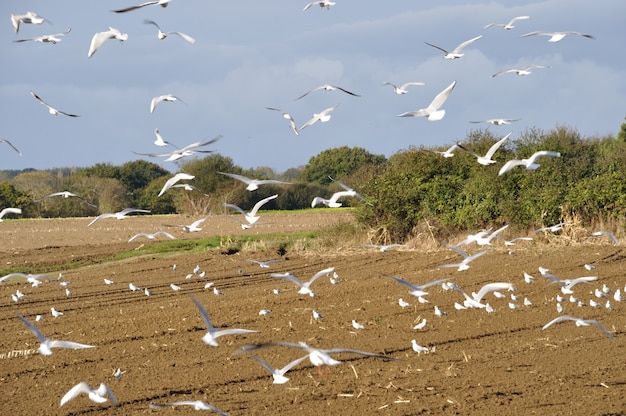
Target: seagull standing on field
(30, 18)
(253, 184)
(98, 39)
(162, 35)
(402, 89)
(98, 395)
(487, 159)
(530, 163)
(166, 97)
(210, 338)
(509, 25)
(432, 111)
(251, 216)
(45, 348)
(456, 52)
(557, 36)
(51, 109)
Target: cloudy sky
(250, 55)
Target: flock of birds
(321, 357)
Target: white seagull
(196, 404)
(444, 153)
(193, 227)
(278, 374)
(159, 139)
(251, 216)
(152, 236)
(51, 109)
(553, 228)
(210, 338)
(287, 117)
(253, 184)
(165, 97)
(30, 18)
(497, 121)
(118, 215)
(596, 234)
(67, 194)
(98, 395)
(263, 264)
(332, 202)
(188, 150)
(530, 163)
(322, 3)
(162, 35)
(579, 322)
(54, 38)
(418, 348)
(323, 116)
(509, 25)
(383, 248)
(305, 287)
(327, 87)
(6, 211)
(402, 89)
(456, 52)
(487, 160)
(162, 3)
(432, 111)
(417, 290)
(11, 144)
(171, 181)
(467, 259)
(557, 36)
(45, 348)
(519, 71)
(482, 238)
(98, 39)
(357, 325)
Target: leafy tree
(338, 163)
(621, 136)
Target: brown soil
(480, 363)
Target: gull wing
(11, 144)
(288, 276)
(441, 97)
(496, 146)
(463, 45)
(490, 287)
(32, 328)
(261, 203)
(510, 165)
(204, 314)
(320, 274)
(81, 387)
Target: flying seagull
(322, 3)
(530, 163)
(456, 52)
(287, 117)
(323, 116)
(519, 71)
(487, 158)
(159, 139)
(152, 236)
(166, 97)
(67, 194)
(305, 287)
(162, 3)
(253, 184)
(98, 395)
(327, 87)
(171, 181)
(54, 38)
(417, 290)
(193, 227)
(196, 404)
(332, 202)
(579, 322)
(45, 348)
(432, 111)
(51, 109)
(402, 89)
(11, 144)
(608, 234)
(210, 338)
(467, 259)
(98, 39)
(557, 36)
(118, 215)
(449, 152)
(497, 121)
(251, 216)
(30, 18)
(162, 35)
(278, 374)
(509, 25)
(185, 151)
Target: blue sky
(250, 55)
